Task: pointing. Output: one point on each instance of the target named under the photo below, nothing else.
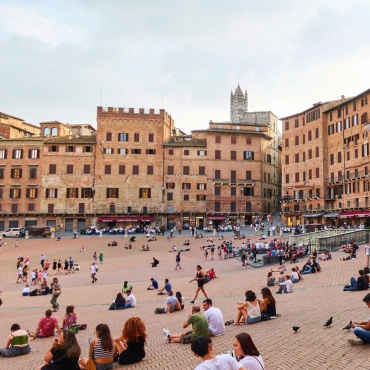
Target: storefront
(127, 221)
(313, 218)
(215, 220)
(331, 219)
(354, 218)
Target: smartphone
(90, 340)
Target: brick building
(326, 162)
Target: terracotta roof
(73, 140)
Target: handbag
(90, 365)
(265, 316)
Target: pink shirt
(47, 325)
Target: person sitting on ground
(362, 282)
(153, 285)
(325, 257)
(199, 325)
(46, 326)
(215, 318)
(64, 353)
(249, 310)
(361, 329)
(298, 271)
(315, 266)
(26, 290)
(270, 279)
(130, 300)
(212, 274)
(70, 318)
(286, 286)
(247, 353)
(114, 243)
(155, 262)
(181, 299)
(294, 276)
(307, 269)
(120, 301)
(16, 343)
(173, 249)
(152, 239)
(351, 256)
(130, 344)
(145, 248)
(186, 242)
(167, 287)
(268, 305)
(263, 237)
(282, 267)
(172, 304)
(83, 249)
(126, 286)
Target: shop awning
(331, 215)
(348, 214)
(363, 214)
(216, 217)
(127, 219)
(312, 215)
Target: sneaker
(191, 301)
(356, 342)
(166, 334)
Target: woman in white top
(250, 309)
(247, 353)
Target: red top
(47, 325)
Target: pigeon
(295, 328)
(329, 322)
(348, 327)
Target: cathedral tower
(238, 105)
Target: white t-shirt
(20, 270)
(367, 250)
(289, 285)
(295, 275)
(215, 320)
(131, 299)
(93, 269)
(251, 363)
(26, 290)
(220, 362)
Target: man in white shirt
(19, 271)
(202, 347)
(94, 270)
(294, 276)
(215, 319)
(130, 300)
(286, 286)
(367, 252)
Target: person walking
(55, 266)
(16, 244)
(367, 252)
(178, 261)
(42, 260)
(200, 279)
(101, 258)
(56, 293)
(59, 267)
(94, 270)
(95, 256)
(20, 274)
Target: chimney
(342, 97)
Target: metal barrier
(334, 242)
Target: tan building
(325, 163)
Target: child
(39, 276)
(33, 276)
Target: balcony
(243, 182)
(353, 176)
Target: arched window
(46, 131)
(54, 131)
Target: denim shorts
(107, 366)
(254, 320)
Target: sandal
(228, 323)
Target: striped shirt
(99, 351)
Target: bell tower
(238, 105)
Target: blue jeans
(362, 334)
(254, 320)
(295, 280)
(107, 366)
(128, 305)
(353, 283)
(307, 270)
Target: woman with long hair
(268, 305)
(200, 279)
(101, 349)
(130, 344)
(120, 301)
(70, 317)
(247, 353)
(181, 300)
(249, 310)
(64, 353)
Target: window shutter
(56, 193)
(140, 193)
(13, 155)
(27, 193)
(5, 153)
(36, 193)
(149, 193)
(29, 153)
(20, 173)
(20, 193)
(252, 156)
(47, 193)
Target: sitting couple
(172, 303)
(120, 303)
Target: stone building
(326, 163)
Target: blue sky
(58, 55)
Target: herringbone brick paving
(314, 300)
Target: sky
(60, 59)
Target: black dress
(135, 352)
(270, 310)
(59, 362)
(200, 282)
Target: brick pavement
(314, 300)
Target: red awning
(348, 214)
(216, 217)
(126, 219)
(363, 213)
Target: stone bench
(270, 260)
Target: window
(135, 170)
(145, 193)
(248, 156)
(364, 101)
(150, 138)
(122, 137)
(331, 158)
(355, 120)
(218, 139)
(217, 190)
(145, 209)
(310, 154)
(129, 209)
(136, 151)
(170, 170)
(312, 116)
(232, 206)
(51, 193)
(108, 136)
(363, 118)
(339, 113)
(233, 140)
(53, 148)
(1, 173)
(354, 105)
(169, 196)
(46, 131)
(331, 129)
(150, 170)
(287, 159)
(248, 140)
(310, 174)
(233, 155)
(248, 207)
(217, 174)
(136, 138)
(202, 170)
(86, 193)
(81, 207)
(121, 169)
(72, 192)
(217, 206)
(15, 193)
(186, 186)
(16, 173)
(233, 191)
(69, 169)
(233, 176)
(317, 152)
(339, 126)
(317, 133)
(356, 153)
(201, 186)
(54, 131)
(33, 173)
(186, 152)
(170, 151)
(186, 170)
(186, 197)
(33, 153)
(347, 123)
(150, 151)
(248, 175)
(87, 149)
(202, 153)
(50, 208)
(87, 169)
(296, 123)
(112, 192)
(303, 138)
(248, 192)
(107, 169)
(70, 148)
(304, 157)
(287, 178)
(31, 193)
(170, 185)
(296, 140)
(304, 176)
(296, 158)
(17, 154)
(317, 173)
(309, 135)
(108, 150)
(297, 177)
(339, 157)
(201, 197)
(268, 158)
(217, 154)
(123, 151)
(286, 143)
(286, 126)
(365, 150)
(3, 153)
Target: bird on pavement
(329, 322)
(295, 328)
(348, 327)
